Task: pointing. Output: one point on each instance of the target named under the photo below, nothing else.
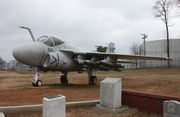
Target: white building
(159, 48)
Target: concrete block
(2, 114)
(110, 95)
(54, 106)
(171, 108)
(110, 92)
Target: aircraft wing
(105, 61)
(127, 57)
(129, 62)
(114, 55)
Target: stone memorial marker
(110, 94)
(171, 108)
(54, 106)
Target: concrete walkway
(38, 108)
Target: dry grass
(16, 89)
(93, 112)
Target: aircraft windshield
(57, 40)
(50, 41)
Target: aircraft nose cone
(29, 53)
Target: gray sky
(84, 23)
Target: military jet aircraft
(52, 53)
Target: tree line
(13, 65)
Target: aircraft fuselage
(45, 53)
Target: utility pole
(144, 37)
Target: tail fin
(111, 48)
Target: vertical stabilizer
(111, 48)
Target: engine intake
(58, 61)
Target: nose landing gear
(36, 82)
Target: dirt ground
(93, 112)
(16, 88)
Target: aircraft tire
(39, 83)
(63, 80)
(33, 84)
(93, 80)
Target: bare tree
(2, 64)
(177, 3)
(134, 49)
(11, 65)
(15, 65)
(162, 10)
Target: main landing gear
(92, 79)
(63, 78)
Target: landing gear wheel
(35, 81)
(63, 80)
(33, 84)
(93, 80)
(39, 83)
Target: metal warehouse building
(158, 48)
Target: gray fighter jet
(51, 53)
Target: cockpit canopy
(50, 40)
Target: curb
(38, 108)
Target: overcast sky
(84, 23)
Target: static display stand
(54, 106)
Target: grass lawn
(16, 89)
